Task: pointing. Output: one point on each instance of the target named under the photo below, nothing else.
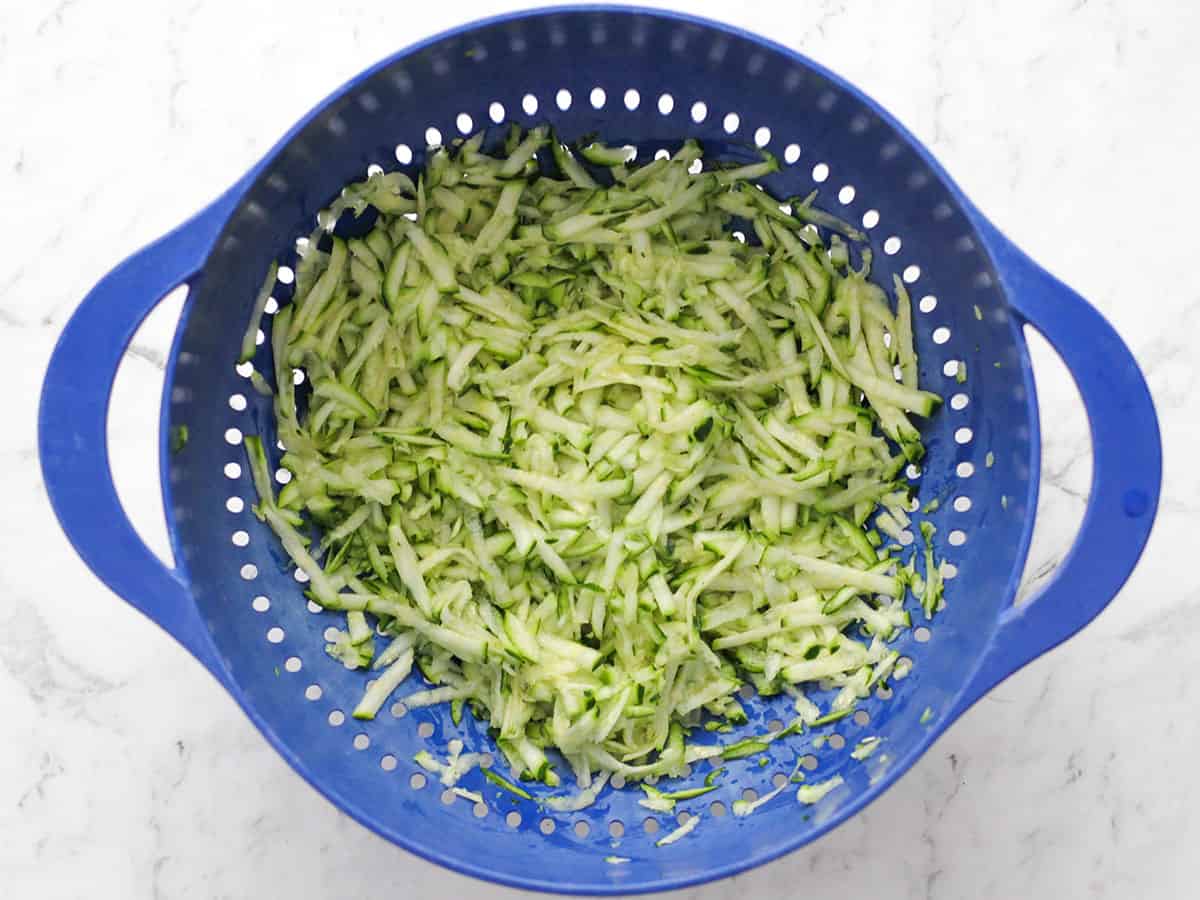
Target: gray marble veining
(126, 772)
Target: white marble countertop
(126, 772)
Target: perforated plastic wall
(651, 81)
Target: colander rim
(429, 851)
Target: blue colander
(650, 79)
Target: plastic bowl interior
(651, 80)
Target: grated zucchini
(809, 794)
(589, 462)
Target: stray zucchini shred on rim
(589, 461)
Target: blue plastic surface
(73, 422)
(206, 602)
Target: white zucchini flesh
(589, 462)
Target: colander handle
(1126, 468)
(73, 419)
